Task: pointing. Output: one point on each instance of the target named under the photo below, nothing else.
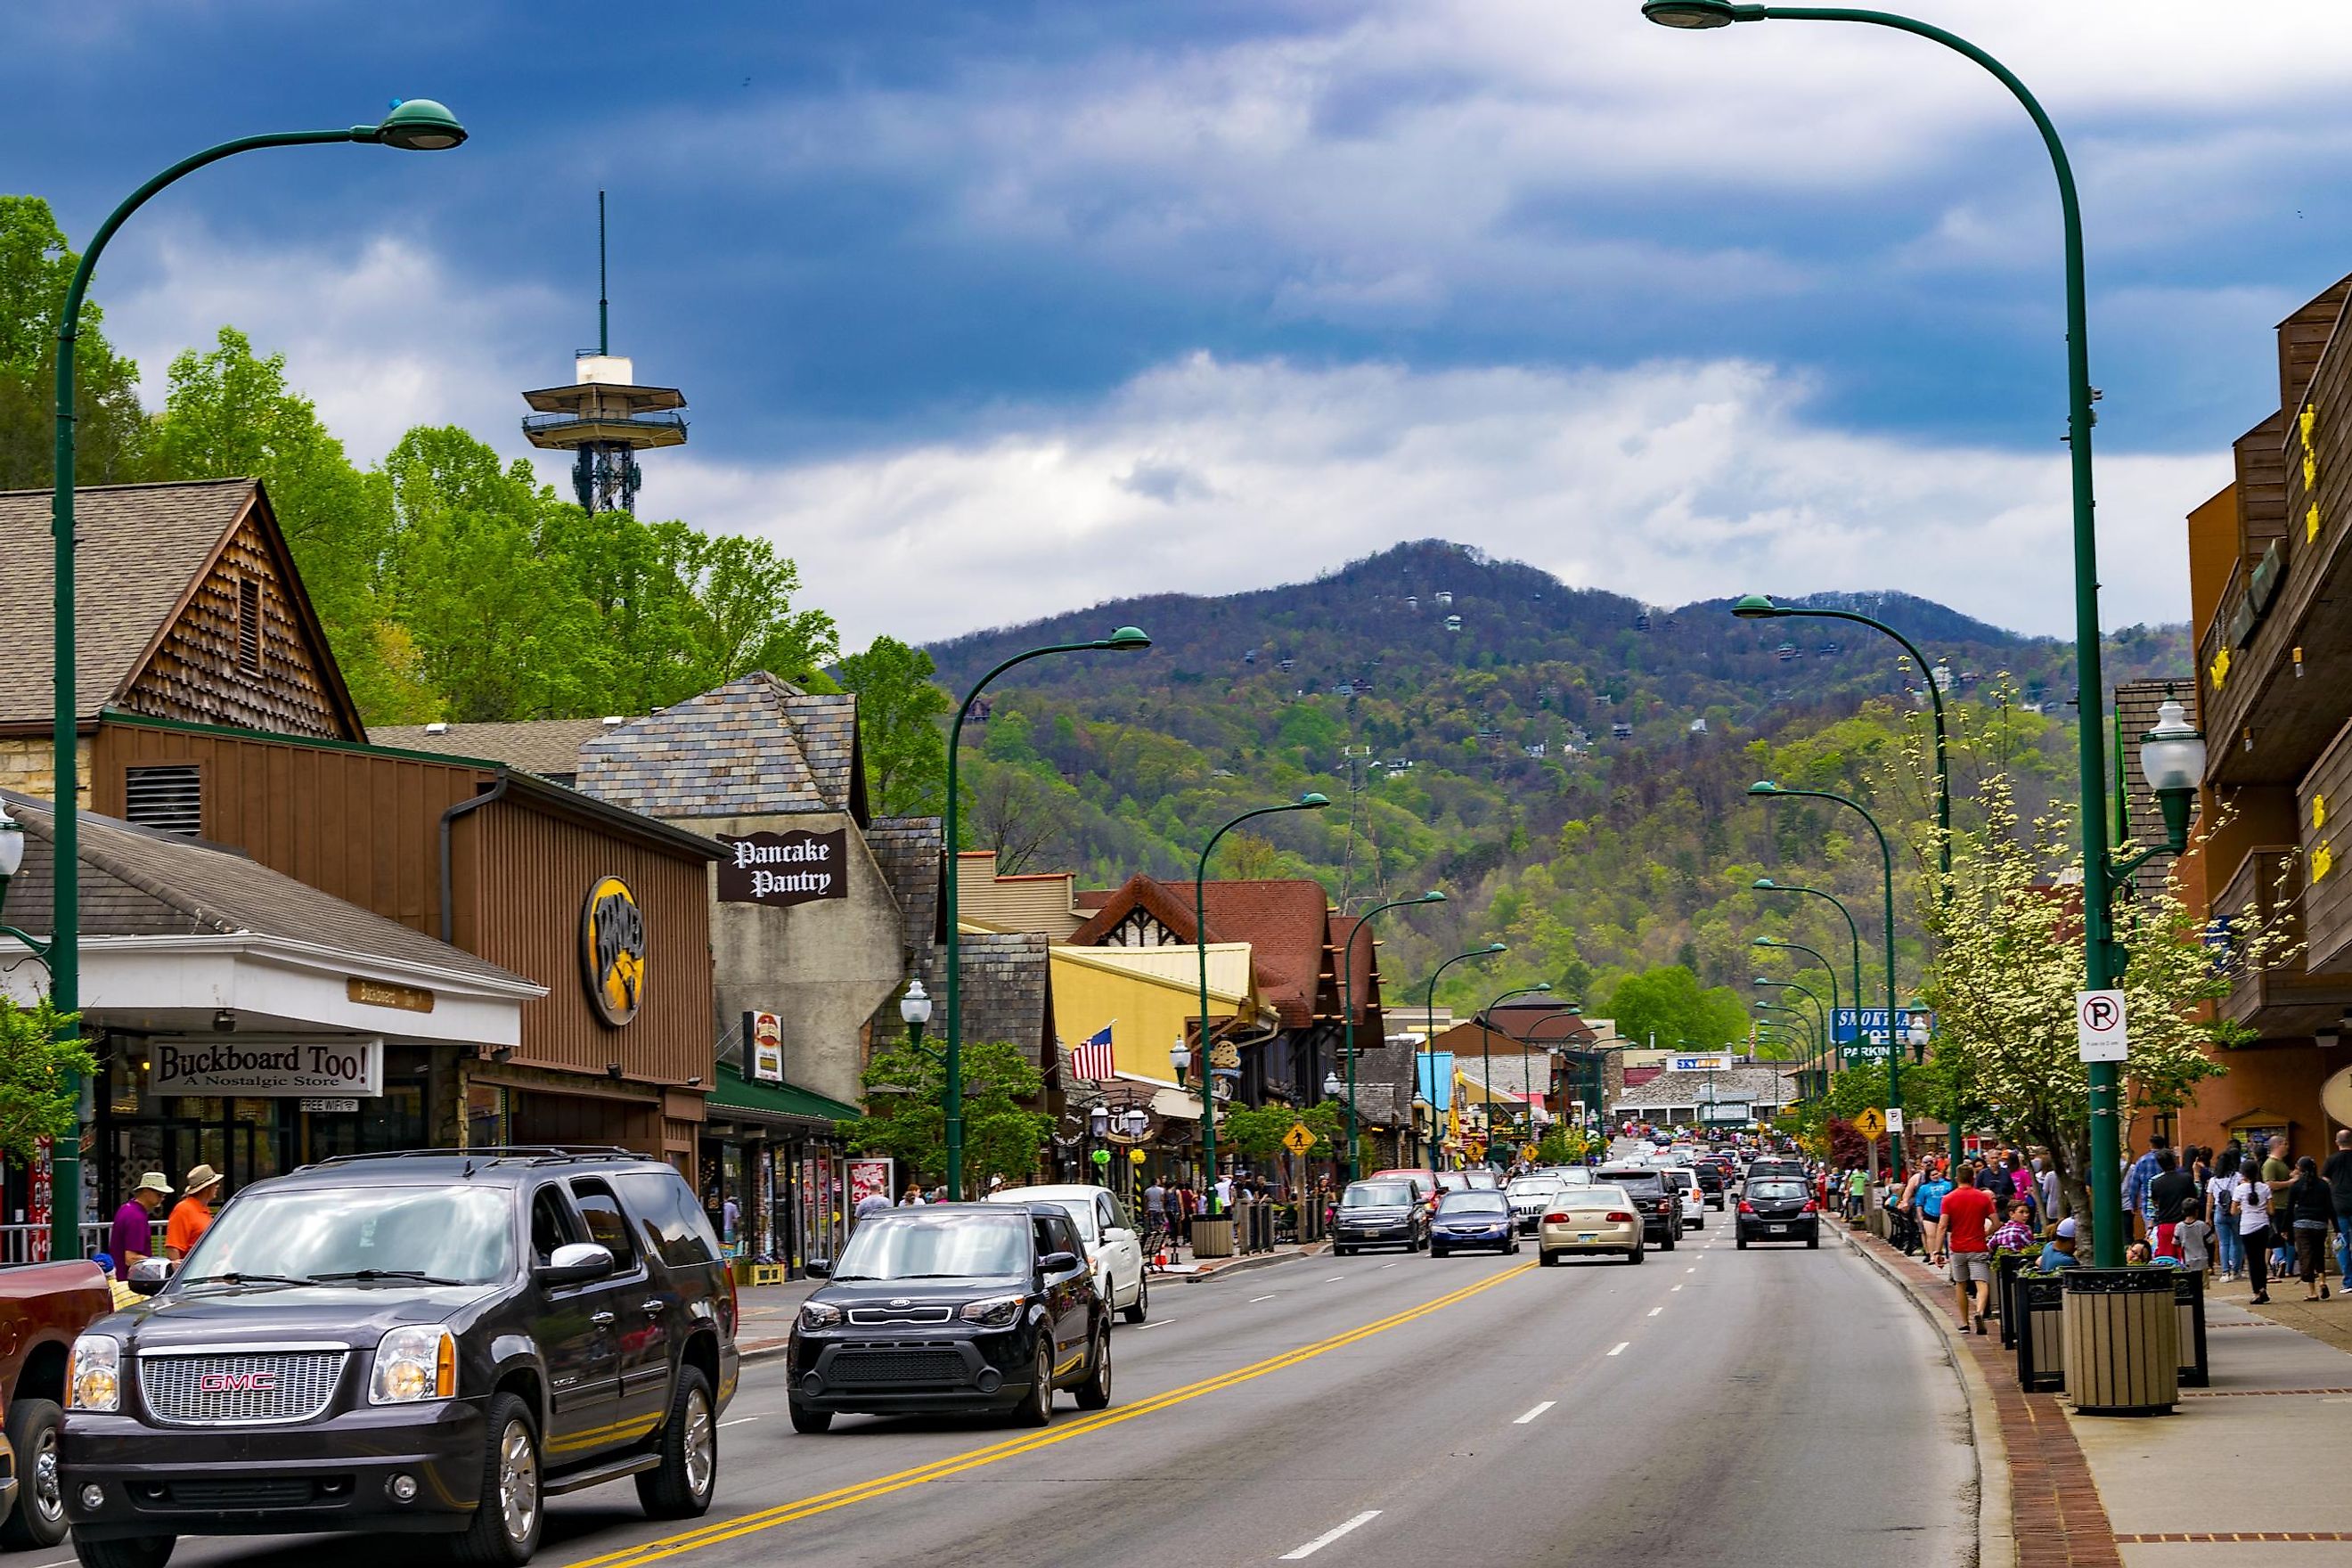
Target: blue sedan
(1473, 1220)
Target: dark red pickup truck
(43, 1306)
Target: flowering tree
(2010, 962)
(34, 1103)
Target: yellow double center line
(881, 1485)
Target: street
(1776, 1406)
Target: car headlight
(414, 1364)
(94, 1374)
(819, 1314)
(996, 1312)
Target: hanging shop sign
(266, 1067)
(781, 869)
(763, 1045)
(613, 949)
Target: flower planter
(2122, 1341)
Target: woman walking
(2221, 1212)
(2251, 1198)
(2311, 1213)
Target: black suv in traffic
(1383, 1211)
(427, 1342)
(1660, 1203)
(952, 1308)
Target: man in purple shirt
(132, 1238)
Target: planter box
(2122, 1341)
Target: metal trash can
(2123, 1341)
(1213, 1238)
(2189, 1298)
(2039, 1299)
(2006, 1268)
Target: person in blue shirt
(1931, 1212)
(2144, 1171)
(2060, 1253)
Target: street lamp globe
(1696, 15)
(1128, 638)
(12, 845)
(1180, 1057)
(2172, 754)
(1763, 786)
(1332, 1086)
(1137, 1119)
(1314, 800)
(420, 125)
(1754, 608)
(914, 1006)
(1764, 885)
(1098, 1121)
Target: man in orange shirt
(192, 1215)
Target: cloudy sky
(985, 310)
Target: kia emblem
(900, 1302)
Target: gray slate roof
(141, 547)
(1756, 1085)
(756, 746)
(548, 747)
(138, 882)
(1008, 992)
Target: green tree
(34, 1063)
(1669, 1005)
(899, 712)
(112, 432)
(903, 1119)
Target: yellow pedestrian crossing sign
(1529, 1153)
(1871, 1122)
(1298, 1140)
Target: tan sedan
(1589, 1219)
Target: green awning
(732, 1091)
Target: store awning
(1169, 1103)
(734, 1097)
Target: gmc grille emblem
(236, 1382)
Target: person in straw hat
(132, 1239)
(192, 1215)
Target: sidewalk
(2248, 1462)
(767, 1311)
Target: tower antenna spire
(603, 308)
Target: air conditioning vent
(166, 799)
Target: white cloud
(1667, 482)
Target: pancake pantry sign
(781, 869)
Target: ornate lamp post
(1347, 1003)
(1429, 1040)
(1126, 639)
(1308, 802)
(418, 125)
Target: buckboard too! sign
(781, 869)
(261, 1066)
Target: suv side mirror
(1117, 1233)
(1059, 1263)
(148, 1275)
(818, 1268)
(576, 1263)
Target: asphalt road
(1773, 1407)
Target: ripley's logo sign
(613, 949)
(236, 1382)
(781, 869)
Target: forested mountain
(1568, 765)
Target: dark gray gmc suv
(433, 1342)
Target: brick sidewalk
(2057, 1519)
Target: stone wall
(24, 767)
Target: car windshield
(1376, 1194)
(1536, 1186)
(1775, 1189)
(445, 1235)
(937, 1247)
(1470, 1204)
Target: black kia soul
(952, 1308)
(432, 1341)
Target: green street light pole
(1347, 1004)
(2101, 965)
(1826, 1032)
(1767, 789)
(1853, 932)
(1125, 638)
(1804, 1020)
(1429, 1040)
(418, 125)
(1827, 968)
(1571, 1013)
(1486, 1056)
(1307, 802)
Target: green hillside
(1568, 765)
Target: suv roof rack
(533, 1152)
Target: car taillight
(1744, 1207)
(1809, 1207)
(1555, 1219)
(1618, 1216)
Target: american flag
(1090, 1059)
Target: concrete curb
(1996, 1534)
(1245, 1264)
